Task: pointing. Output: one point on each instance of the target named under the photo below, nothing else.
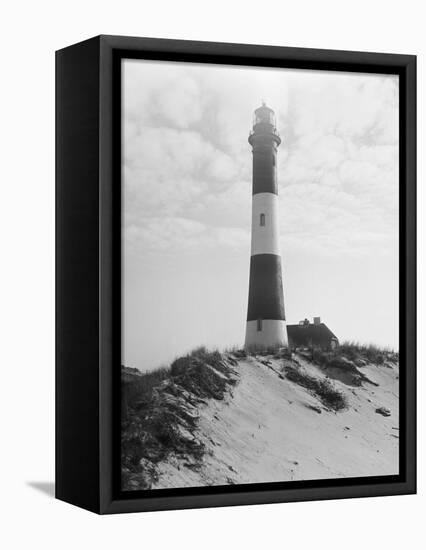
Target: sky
(186, 185)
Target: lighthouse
(266, 325)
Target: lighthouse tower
(266, 325)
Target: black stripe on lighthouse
(264, 173)
(266, 300)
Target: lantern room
(264, 115)
(264, 131)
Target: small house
(309, 335)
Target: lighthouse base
(266, 333)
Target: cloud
(351, 105)
(175, 235)
(166, 170)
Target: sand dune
(268, 428)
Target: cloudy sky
(187, 203)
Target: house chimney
(317, 320)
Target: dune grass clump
(139, 391)
(322, 389)
(370, 353)
(203, 373)
(277, 351)
(213, 358)
(236, 351)
(350, 352)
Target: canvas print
(259, 275)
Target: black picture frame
(88, 271)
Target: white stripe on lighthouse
(265, 238)
(273, 332)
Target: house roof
(311, 331)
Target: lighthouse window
(259, 325)
(262, 219)
(273, 160)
